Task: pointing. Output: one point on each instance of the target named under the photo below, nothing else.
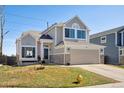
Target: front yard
(120, 66)
(51, 76)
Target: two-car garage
(84, 56)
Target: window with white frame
(28, 52)
(121, 52)
(81, 34)
(75, 26)
(75, 33)
(103, 39)
(69, 33)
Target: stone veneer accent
(67, 58)
(59, 58)
(102, 59)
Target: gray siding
(111, 51)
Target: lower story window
(28, 52)
(121, 52)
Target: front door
(46, 53)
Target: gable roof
(78, 18)
(45, 36)
(110, 31)
(34, 34)
(63, 23)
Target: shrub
(39, 67)
(68, 64)
(43, 61)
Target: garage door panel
(79, 56)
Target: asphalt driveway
(107, 71)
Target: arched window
(76, 26)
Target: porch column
(42, 51)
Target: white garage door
(79, 56)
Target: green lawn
(51, 76)
(120, 66)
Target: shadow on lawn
(75, 82)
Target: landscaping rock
(39, 67)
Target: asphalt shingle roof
(45, 36)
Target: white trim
(99, 57)
(122, 39)
(41, 50)
(75, 31)
(47, 40)
(48, 52)
(75, 26)
(87, 36)
(36, 49)
(55, 35)
(119, 54)
(29, 59)
(63, 33)
(116, 39)
(28, 46)
(20, 53)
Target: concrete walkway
(107, 71)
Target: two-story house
(60, 43)
(113, 39)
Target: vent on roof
(46, 36)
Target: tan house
(60, 43)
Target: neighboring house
(60, 43)
(113, 39)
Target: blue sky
(23, 18)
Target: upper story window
(75, 26)
(81, 34)
(103, 39)
(69, 33)
(75, 34)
